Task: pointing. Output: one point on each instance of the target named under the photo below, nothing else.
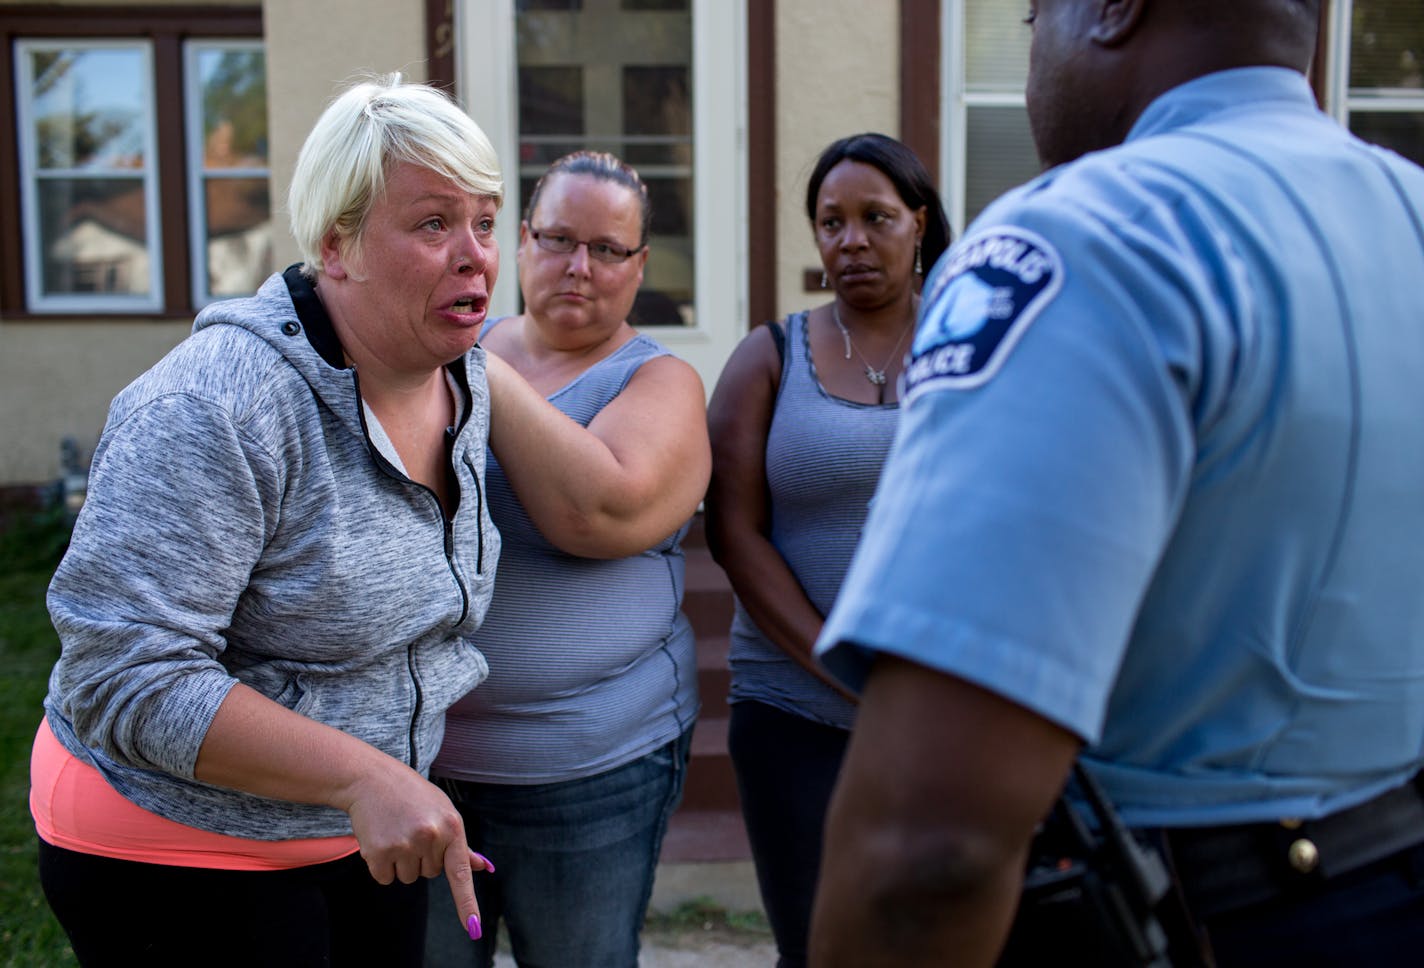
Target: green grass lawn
(29, 550)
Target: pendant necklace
(877, 377)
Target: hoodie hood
(286, 314)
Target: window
(140, 143)
(615, 75)
(231, 214)
(88, 175)
(987, 148)
(662, 84)
(1377, 72)
(1376, 87)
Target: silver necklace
(875, 376)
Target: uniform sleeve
(1039, 467)
(178, 509)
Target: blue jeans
(786, 769)
(574, 864)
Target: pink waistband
(75, 808)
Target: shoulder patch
(990, 288)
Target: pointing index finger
(458, 874)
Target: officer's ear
(1115, 21)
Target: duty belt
(1224, 868)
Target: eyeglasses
(564, 244)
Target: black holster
(1098, 895)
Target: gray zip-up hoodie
(241, 527)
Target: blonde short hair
(362, 134)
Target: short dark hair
(906, 172)
(605, 167)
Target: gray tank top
(592, 663)
(823, 460)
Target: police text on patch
(984, 296)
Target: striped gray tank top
(591, 661)
(823, 460)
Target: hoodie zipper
(447, 525)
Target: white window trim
(958, 100)
(193, 151)
(1338, 60)
(486, 79)
(1342, 99)
(36, 301)
(953, 151)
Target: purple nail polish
(474, 925)
(489, 865)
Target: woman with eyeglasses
(567, 762)
(802, 419)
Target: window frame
(32, 177)
(1343, 99)
(165, 29)
(958, 99)
(198, 175)
(485, 60)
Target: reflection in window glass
(1402, 131)
(1002, 155)
(615, 75)
(672, 205)
(550, 105)
(1386, 45)
(87, 177)
(93, 234)
(90, 107)
(238, 235)
(526, 188)
(657, 106)
(233, 83)
(231, 219)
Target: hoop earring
(919, 269)
(825, 280)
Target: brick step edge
(705, 835)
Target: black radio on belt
(1093, 894)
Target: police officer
(1158, 496)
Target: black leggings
(119, 912)
(786, 769)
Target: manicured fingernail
(489, 865)
(474, 925)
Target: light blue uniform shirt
(1160, 473)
